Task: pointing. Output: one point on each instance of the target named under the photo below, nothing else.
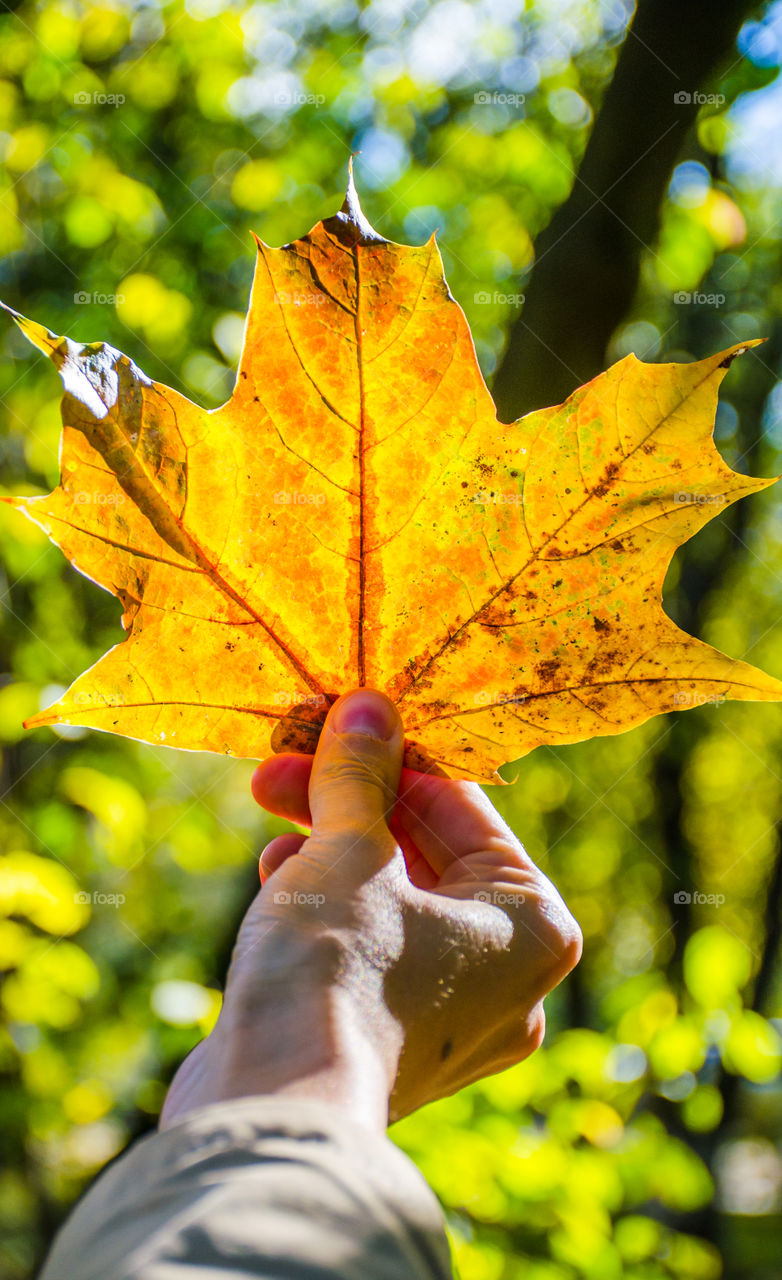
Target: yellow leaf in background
(43, 891)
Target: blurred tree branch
(588, 258)
(698, 583)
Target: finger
(418, 869)
(281, 785)
(277, 851)
(450, 820)
(355, 773)
(446, 820)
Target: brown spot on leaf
(602, 487)
(548, 670)
(728, 361)
(299, 729)
(416, 757)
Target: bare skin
(399, 952)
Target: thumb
(355, 774)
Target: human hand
(383, 968)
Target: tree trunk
(588, 258)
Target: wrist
(292, 1026)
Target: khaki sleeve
(256, 1187)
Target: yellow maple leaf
(355, 514)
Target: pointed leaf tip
(40, 720)
(352, 214)
(732, 352)
(41, 337)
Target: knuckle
(558, 937)
(536, 1029)
(566, 942)
(573, 945)
(349, 771)
(530, 1035)
(352, 833)
(347, 845)
(521, 1037)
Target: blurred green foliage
(140, 143)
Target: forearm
(268, 1186)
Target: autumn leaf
(355, 514)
